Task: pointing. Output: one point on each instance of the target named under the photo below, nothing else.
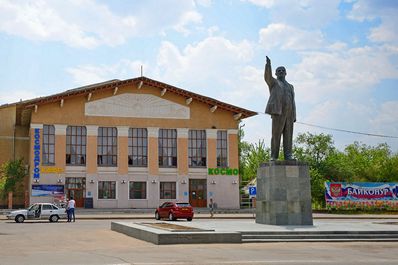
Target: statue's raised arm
(268, 73)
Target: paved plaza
(92, 242)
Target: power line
(342, 130)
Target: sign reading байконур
(361, 194)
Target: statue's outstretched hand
(268, 60)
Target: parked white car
(38, 211)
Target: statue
(282, 108)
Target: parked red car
(174, 210)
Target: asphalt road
(92, 242)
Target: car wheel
(157, 216)
(19, 218)
(54, 218)
(171, 217)
(189, 219)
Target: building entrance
(198, 192)
(76, 188)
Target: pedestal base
(283, 194)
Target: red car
(174, 210)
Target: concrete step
(321, 240)
(326, 236)
(321, 236)
(337, 232)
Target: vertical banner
(361, 194)
(36, 154)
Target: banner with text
(363, 194)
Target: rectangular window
(48, 145)
(138, 147)
(137, 190)
(222, 149)
(167, 190)
(168, 148)
(76, 145)
(197, 148)
(106, 189)
(107, 147)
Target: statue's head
(280, 72)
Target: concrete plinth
(283, 194)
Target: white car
(38, 211)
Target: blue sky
(341, 56)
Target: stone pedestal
(283, 194)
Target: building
(131, 143)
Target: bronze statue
(282, 108)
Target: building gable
(131, 105)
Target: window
(167, 148)
(222, 149)
(167, 190)
(106, 189)
(107, 146)
(137, 190)
(76, 145)
(48, 145)
(47, 207)
(138, 147)
(197, 148)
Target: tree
(316, 151)
(12, 174)
(256, 154)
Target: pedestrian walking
(211, 206)
(70, 210)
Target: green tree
(12, 174)
(315, 150)
(255, 155)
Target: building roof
(240, 113)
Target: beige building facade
(129, 144)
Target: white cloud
(215, 61)
(386, 119)
(186, 19)
(341, 73)
(287, 37)
(386, 11)
(263, 3)
(89, 74)
(76, 23)
(301, 13)
(16, 95)
(88, 24)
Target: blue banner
(47, 190)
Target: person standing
(211, 206)
(282, 108)
(71, 209)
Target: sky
(340, 56)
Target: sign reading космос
(223, 171)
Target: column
(60, 146)
(211, 135)
(233, 153)
(182, 151)
(122, 147)
(153, 152)
(91, 152)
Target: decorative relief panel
(136, 106)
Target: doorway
(198, 192)
(76, 188)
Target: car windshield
(182, 204)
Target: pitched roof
(139, 81)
